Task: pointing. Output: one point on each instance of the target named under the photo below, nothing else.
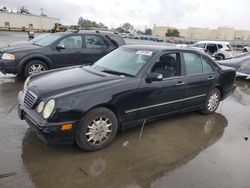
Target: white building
(17, 21)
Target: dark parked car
(242, 65)
(58, 50)
(88, 104)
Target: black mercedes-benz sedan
(87, 105)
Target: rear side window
(93, 41)
(220, 46)
(206, 63)
(71, 42)
(193, 63)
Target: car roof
(69, 32)
(213, 42)
(96, 32)
(158, 48)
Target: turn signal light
(66, 127)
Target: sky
(144, 13)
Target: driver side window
(168, 65)
(71, 42)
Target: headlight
(7, 56)
(48, 109)
(26, 83)
(40, 107)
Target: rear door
(200, 78)
(95, 47)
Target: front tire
(34, 66)
(97, 129)
(212, 101)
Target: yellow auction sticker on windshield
(142, 52)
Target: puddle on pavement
(164, 146)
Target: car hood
(19, 43)
(18, 48)
(71, 80)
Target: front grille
(30, 99)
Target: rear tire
(220, 57)
(97, 129)
(34, 66)
(245, 50)
(212, 101)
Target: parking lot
(190, 150)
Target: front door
(165, 96)
(69, 52)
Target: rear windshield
(229, 46)
(117, 39)
(245, 67)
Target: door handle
(210, 78)
(180, 83)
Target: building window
(7, 24)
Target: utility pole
(41, 9)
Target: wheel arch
(27, 59)
(221, 90)
(112, 108)
(222, 55)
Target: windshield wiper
(36, 44)
(117, 72)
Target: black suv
(58, 50)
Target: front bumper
(49, 132)
(8, 66)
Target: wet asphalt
(185, 151)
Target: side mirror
(153, 76)
(60, 47)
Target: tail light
(228, 50)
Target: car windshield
(47, 40)
(36, 39)
(124, 61)
(245, 67)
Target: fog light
(66, 127)
(40, 107)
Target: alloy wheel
(213, 101)
(36, 68)
(99, 131)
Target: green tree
(120, 30)
(88, 24)
(127, 27)
(148, 32)
(172, 33)
(139, 32)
